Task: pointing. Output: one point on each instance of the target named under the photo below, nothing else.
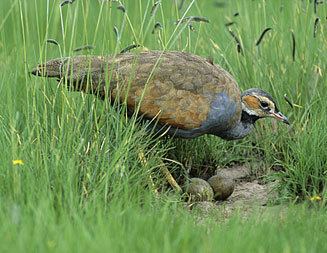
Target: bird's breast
(224, 113)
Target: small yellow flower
(315, 198)
(17, 162)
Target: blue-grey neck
(242, 129)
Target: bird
(188, 95)
(182, 94)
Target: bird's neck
(242, 129)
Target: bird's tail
(82, 73)
(74, 67)
(52, 68)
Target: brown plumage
(185, 92)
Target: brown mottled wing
(176, 87)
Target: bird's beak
(280, 116)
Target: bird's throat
(247, 118)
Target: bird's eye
(264, 104)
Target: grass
(170, 230)
(83, 186)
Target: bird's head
(257, 104)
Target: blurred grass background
(82, 175)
